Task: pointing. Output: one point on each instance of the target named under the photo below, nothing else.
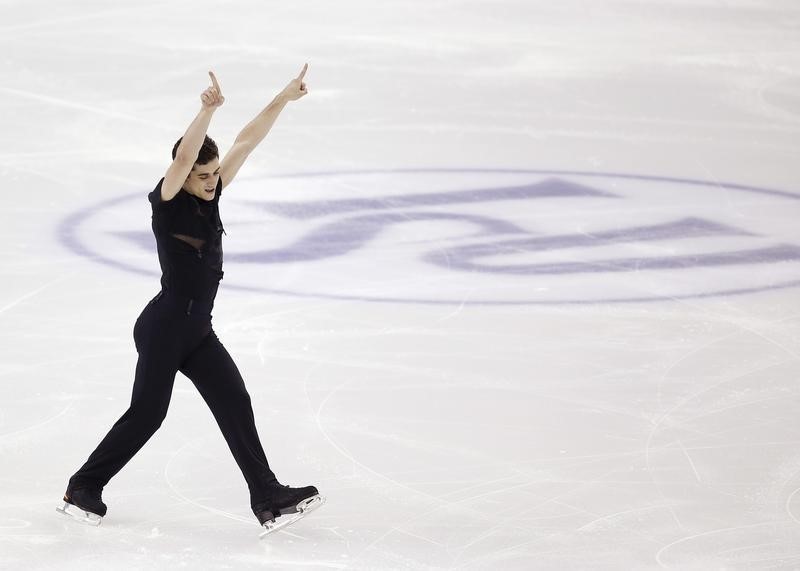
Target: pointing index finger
(303, 73)
(215, 82)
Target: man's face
(202, 181)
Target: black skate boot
(285, 505)
(83, 503)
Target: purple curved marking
(344, 236)
(65, 233)
(553, 187)
(780, 253)
(685, 228)
(718, 184)
(462, 257)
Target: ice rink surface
(515, 285)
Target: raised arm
(192, 141)
(255, 131)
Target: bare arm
(192, 141)
(255, 131)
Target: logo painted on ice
(481, 236)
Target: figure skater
(174, 333)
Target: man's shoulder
(155, 196)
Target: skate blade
(304, 507)
(78, 514)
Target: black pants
(170, 339)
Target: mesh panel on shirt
(195, 242)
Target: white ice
(602, 377)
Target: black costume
(173, 333)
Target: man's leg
(212, 370)
(152, 390)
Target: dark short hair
(208, 152)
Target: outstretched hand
(212, 97)
(296, 88)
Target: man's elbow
(244, 145)
(183, 158)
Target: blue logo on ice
(488, 237)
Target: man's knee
(239, 398)
(147, 419)
(158, 418)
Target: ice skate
(84, 505)
(286, 506)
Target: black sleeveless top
(188, 233)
